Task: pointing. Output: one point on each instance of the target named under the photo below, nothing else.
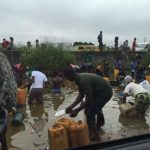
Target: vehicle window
(85, 49)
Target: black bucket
(18, 119)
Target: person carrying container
(97, 93)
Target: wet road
(33, 133)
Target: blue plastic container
(18, 119)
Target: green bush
(49, 57)
(146, 58)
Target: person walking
(38, 82)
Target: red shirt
(133, 44)
(5, 44)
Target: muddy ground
(33, 133)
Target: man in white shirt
(141, 95)
(39, 81)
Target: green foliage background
(146, 58)
(50, 57)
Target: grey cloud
(75, 20)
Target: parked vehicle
(142, 46)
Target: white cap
(128, 79)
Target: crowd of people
(119, 67)
(9, 44)
(94, 91)
(97, 92)
(124, 47)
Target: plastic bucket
(18, 119)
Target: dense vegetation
(146, 58)
(50, 57)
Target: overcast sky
(75, 20)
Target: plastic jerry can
(79, 134)
(116, 71)
(21, 96)
(66, 123)
(18, 119)
(66, 120)
(57, 138)
(127, 109)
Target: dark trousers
(37, 94)
(96, 107)
(3, 143)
